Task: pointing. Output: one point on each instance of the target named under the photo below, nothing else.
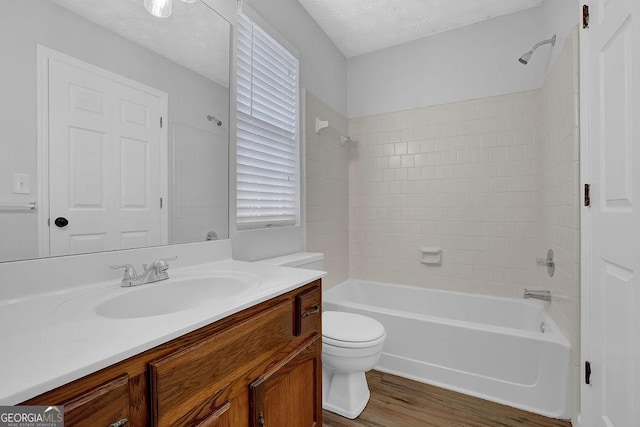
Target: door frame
(44, 54)
(586, 397)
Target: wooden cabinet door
(219, 418)
(189, 386)
(106, 405)
(290, 394)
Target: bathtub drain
(542, 327)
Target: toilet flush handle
(314, 310)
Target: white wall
(467, 63)
(322, 65)
(322, 71)
(560, 17)
(225, 8)
(25, 24)
(326, 200)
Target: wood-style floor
(398, 402)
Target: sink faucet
(154, 272)
(542, 295)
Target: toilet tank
(308, 260)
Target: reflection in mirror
(114, 126)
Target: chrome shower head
(215, 120)
(524, 59)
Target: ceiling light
(189, 1)
(159, 8)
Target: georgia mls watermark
(32, 416)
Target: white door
(613, 295)
(105, 179)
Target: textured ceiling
(193, 36)
(361, 26)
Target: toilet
(351, 346)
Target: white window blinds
(267, 146)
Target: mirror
(114, 126)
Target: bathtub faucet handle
(548, 262)
(541, 295)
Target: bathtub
(489, 347)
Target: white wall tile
(459, 181)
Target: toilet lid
(350, 327)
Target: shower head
(214, 119)
(524, 59)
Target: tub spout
(543, 295)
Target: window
(267, 174)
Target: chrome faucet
(154, 272)
(542, 295)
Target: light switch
(21, 183)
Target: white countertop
(48, 340)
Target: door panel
(134, 177)
(616, 390)
(615, 65)
(86, 169)
(86, 243)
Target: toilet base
(345, 394)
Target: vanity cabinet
(259, 367)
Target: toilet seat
(350, 330)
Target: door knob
(61, 222)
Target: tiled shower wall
(560, 178)
(326, 192)
(462, 177)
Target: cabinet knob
(119, 423)
(261, 419)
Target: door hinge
(587, 196)
(160, 121)
(585, 16)
(160, 202)
(587, 372)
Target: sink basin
(173, 295)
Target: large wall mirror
(114, 126)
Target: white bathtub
(487, 347)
